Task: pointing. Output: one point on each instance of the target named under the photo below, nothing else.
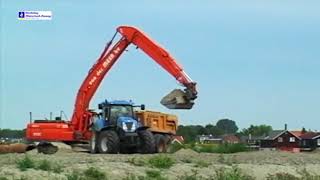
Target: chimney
(285, 127)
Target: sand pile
(16, 148)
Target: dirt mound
(186, 152)
(62, 145)
(15, 148)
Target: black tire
(161, 143)
(147, 143)
(46, 148)
(108, 142)
(93, 143)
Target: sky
(255, 62)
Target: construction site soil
(258, 164)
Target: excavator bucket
(177, 99)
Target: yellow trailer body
(158, 122)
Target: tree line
(12, 133)
(222, 127)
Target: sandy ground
(257, 164)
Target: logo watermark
(34, 15)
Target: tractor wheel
(46, 148)
(108, 142)
(147, 143)
(93, 143)
(161, 143)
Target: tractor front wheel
(108, 142)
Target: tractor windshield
(117, 111)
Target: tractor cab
(118, 114)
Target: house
(177, 139)
(310, 141)
(209, 139)
(252, 142)
(230, 139)
(282, 140)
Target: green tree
(227, 126)
(258, 130)
(214, 130)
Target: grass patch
(75, 175)
(136, 162)
(221, 148)
(282, 176)
(154, 174)
(94, 174)
(202, 164)
(44, 165)
(161, 161)
(193, 176)
(25, 163)
(305, 175)
(175, 147)
(231, 174)
(186, 160)
(150, 175)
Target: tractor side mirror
(143, 107)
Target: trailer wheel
(93, 143)
(108, 142)
(161, 143)
(147, 143)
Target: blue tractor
(116, 129)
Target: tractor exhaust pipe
(179, 99)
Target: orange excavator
(116, 124)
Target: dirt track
(257, 164)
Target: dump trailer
(163, 127)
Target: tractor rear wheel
(161, 143)
(108, 142)
(147, 143)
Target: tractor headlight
(124, 126)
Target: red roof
(297, 134)
(309, 135)
(179, 138)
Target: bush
(94, 174)
(161, 161)
(25, 163)
(232, 174)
